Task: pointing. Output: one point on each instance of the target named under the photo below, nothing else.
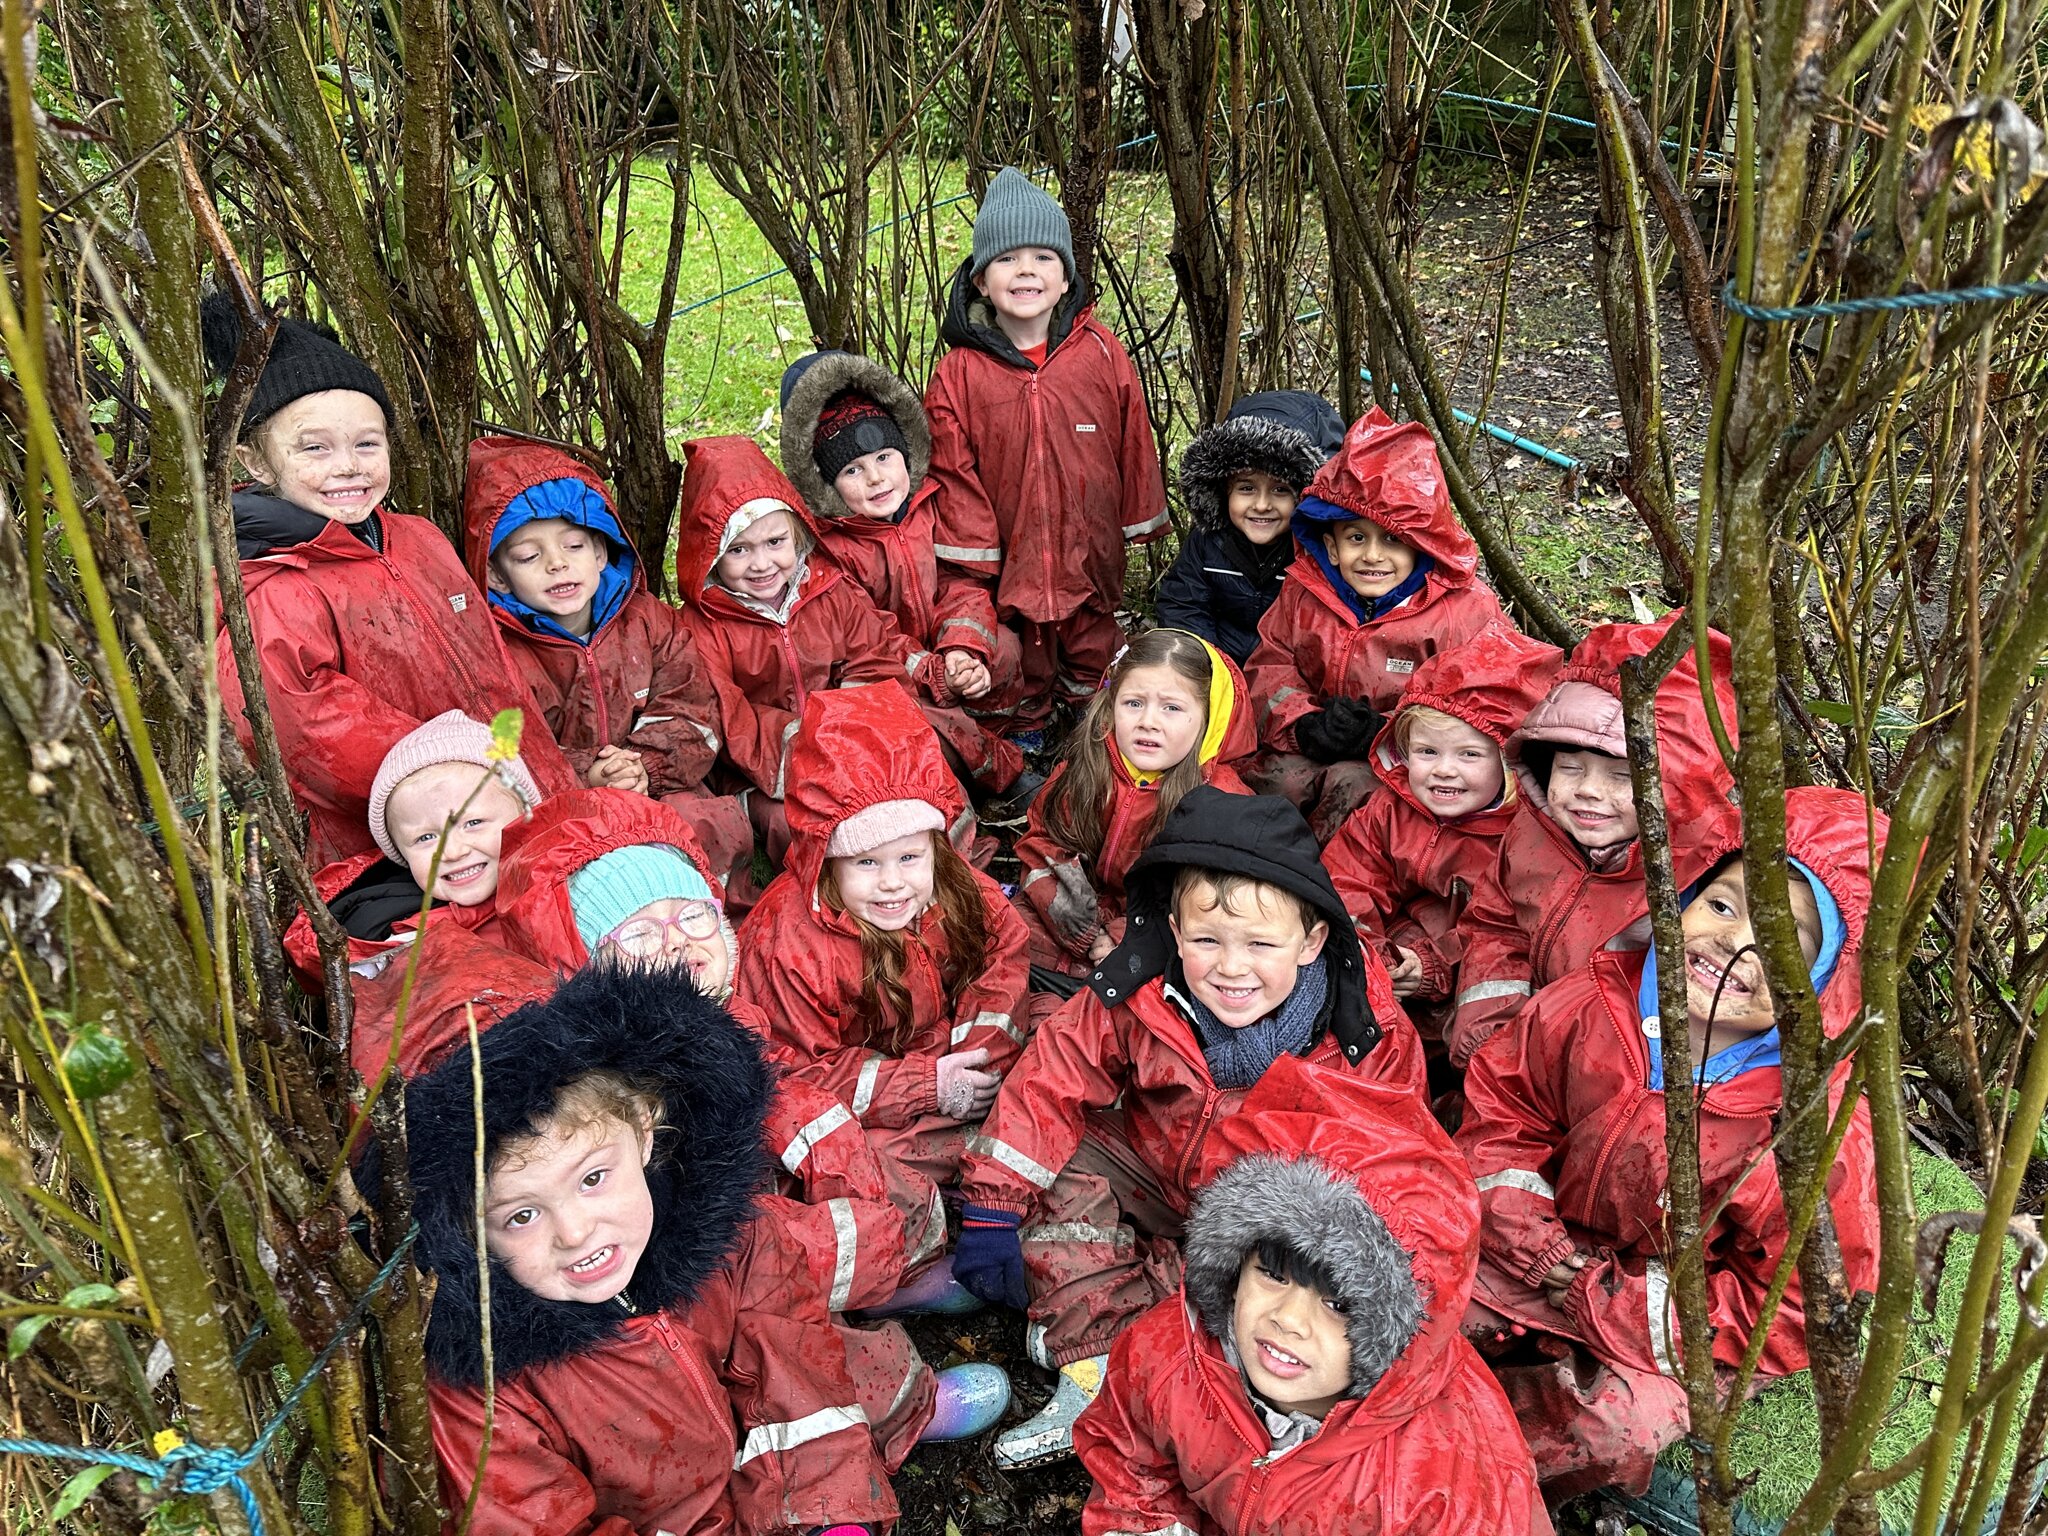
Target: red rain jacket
(848, 1220)
(1145, 1054)
(1312, 646)
(1174, 1442)
(1045, 474)
(1127, 829)
(1405, 874)
(639, 1435)
(463, 966)
(763, 669)
(1566, 1140)
(1546, 910)
(357, 648)
(637, 683)
(800, 963)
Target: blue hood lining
(1312, 516)
(573, 501)
(1758, 1050)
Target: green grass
(1778, 1436)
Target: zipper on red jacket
(596, 680)
(1254, 1491)
(922, 603)
(1038, 441)
(427, 620)
(1211, 1099)
(714, 1405)
(1548, 933)
(789, 657)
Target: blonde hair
(589, 1099)
(1422, 714)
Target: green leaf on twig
(97, 1063)
(78, 1490)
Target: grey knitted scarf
(1238, 1058)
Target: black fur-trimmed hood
(1319, 1211)
(709, 1161)
(1288, 433)
(810, 384)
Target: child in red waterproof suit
(1170, 715)
(1237, 952)
(1564, 1130)
(610, 664)
(1042, 449)
(773, 621)
(856, 442)
(440, 808)
(1385, 578)
(365, 622)
(597, 874)
(1569, 878)
(1310, 1376)
(662, 1355)
(1406, 861)
(889, 973)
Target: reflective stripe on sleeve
(974, 556)
(1280, 696)
(1491, 989)
(1524, 1179)
(787, 1436)
(1002, 1152)
(985, 1020)
(934, 1233)
(846, 1251)
(979, 629)
(1075, 1232)
(1150, 525)
(1175, 1529)
(1657, 1304)
(801, 1143)
(915, 660)
(864, 1088)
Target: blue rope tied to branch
(185, 1468)
(1995, 293)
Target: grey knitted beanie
(1017, 213)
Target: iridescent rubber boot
(935, 1293)
(972, 1398)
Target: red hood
(858, 747)
(1583, 709)
(563, 835)
(1381, 1136)
(500, 469)
(1491, 682)
(721, 475)
(1390, 474)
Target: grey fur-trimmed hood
(1305, 1204)
(1288, 433)
(809, 385)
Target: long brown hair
(1077, 798)
(884, 1012)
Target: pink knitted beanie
(447, 738)
(880, 824)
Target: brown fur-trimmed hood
(809, 384)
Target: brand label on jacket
(459, 601)
(1400, 664)
(1084, 426)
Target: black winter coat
(1213, 591)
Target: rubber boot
(972, 1399)
(1051, 1432)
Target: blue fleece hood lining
(1758, 1050)
(573, 501)
(1311, 515)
